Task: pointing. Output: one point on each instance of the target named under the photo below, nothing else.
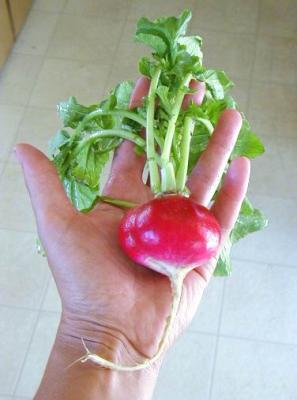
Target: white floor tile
(15, 207)
(10, 117)
(276, 60)
(269, 176)
(129, 52)
(2, 166)
(15, 331)
(278, 18)
(13, 398)
(89, 39)
(276, 244)
(260, 302)
(238, 16)
(60, 79)
(247, 370)
(156, 9)
(225, 51)
(116, 9)
(207, 315)
(121, 73)
(37, 128)
(49, 6)
(187, 369)
(35, 35)
(17, 78)
(52, 300)
(23, 273)
(287, 151)
(272, 109)
(240, 92)
(39, 351)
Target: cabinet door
(19, 10)
(6, 35)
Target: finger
(126, 171)
(140, 90)
(125, 180)
(48, 198)
(207, 174)
(197, 96)
(227, 205)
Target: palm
(97, 282)
(97, 276)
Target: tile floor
(242, 344)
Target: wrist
(68, 378)
(101, 338)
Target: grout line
(78, 60)
(20, 369)
(265, 263)
(255, 340)
(215, 355)
(13, 139)
(44, 57)
(112, 65)
(17, 230)
(19, 375)
(254, 59)
(16, 104)
(32, 309)
(205, 333)
(26, 104)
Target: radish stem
(167, 177)
(150, 135)
(185, 151)
(120, 113)
(175, 112)
(168, 183)
(117, 202)
(133, 137)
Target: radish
(170, 233)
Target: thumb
(48, 198)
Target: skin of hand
(118, 307)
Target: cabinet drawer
(6, 34)
(19, 10)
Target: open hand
(117, 306)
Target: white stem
(176, 280)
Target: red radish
(169, 233)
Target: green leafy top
(82, 149)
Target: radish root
(176, 280)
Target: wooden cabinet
(19, 10)
(12, 16)
(6, 33)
